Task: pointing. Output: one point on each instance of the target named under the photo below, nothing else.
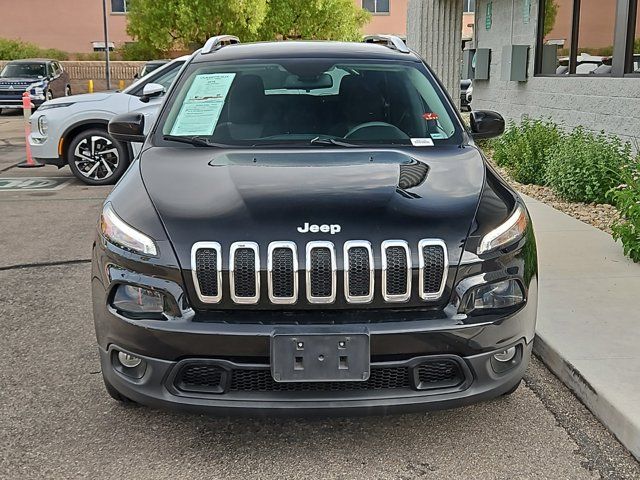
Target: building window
(118, 6)
(376, 6)
(633, 65)
(469, 6)
(578, 36)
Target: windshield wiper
(195, 141)
(331, 141)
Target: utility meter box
(515, 63)
(467, 64)
(481, 64)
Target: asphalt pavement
(56, 420)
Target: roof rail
(391, 41)
(219, 41)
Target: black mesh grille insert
(200, 378)
(320, 272)
(244, 265)
(359, 273)
(261, 381)
(282, 272)
(433, 268)
(396, 271)
(439, 374)
(207, 271)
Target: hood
(265, 196)
(85, 97)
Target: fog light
(128, 360)
(506, 355)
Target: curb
(614, 418)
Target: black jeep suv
(311, 228)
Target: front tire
(96, 158)
(513, 389)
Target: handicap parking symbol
(32, 183)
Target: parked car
(73, 131)
(464, 103)
(150, 67)
(309, 227)
(44, 79)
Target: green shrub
(15, 49)
(585, 166)
(626, 198)
(137, 51)
(523, 150)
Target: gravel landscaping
(601, 216)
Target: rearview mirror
(486, 124)
(127, 128)
(151, 90)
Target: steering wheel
(376, 131)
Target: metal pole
(106, 42)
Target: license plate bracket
(320, 357)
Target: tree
(313, 20)
(550, 14)
(185, 24)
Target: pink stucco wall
(69, 25)
(395, 22)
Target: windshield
(302, 101)
(24, 70)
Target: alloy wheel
(96, 157)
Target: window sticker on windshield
(439, 136)
(422, 142)
(202, 105)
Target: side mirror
(486, 124)
(127, 128)
(151, 90)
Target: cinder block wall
(597, 103)
(82, 72)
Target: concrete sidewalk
(588, 330)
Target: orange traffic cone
(26, 110)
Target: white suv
(73, 130)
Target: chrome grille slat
(358, 271)
(282, 272)
(207, 279)
(434, 264)
(244, 272)
(321, 272)
(396, 271)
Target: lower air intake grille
(200, 377)
(439, 374)
(261, 381)
(207, 271)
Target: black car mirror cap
(127, 128)
(486, 124)
(150, 91)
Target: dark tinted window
(299, 100)
(27, 70)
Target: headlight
(43, 125)
(116, 231)
(509, 232)
(49, 106)
(137, 300)
(503, 294)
